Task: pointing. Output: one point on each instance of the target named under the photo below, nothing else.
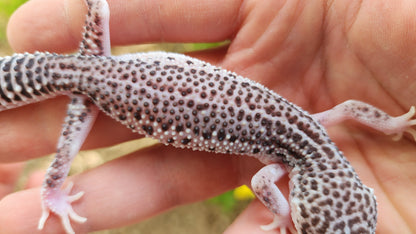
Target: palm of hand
(314, 54)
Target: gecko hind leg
(80, 117)
(371, 117)
(263, 185)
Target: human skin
(314, 53)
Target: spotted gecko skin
(188, 103)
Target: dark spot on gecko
(206, 134)
(196, 130)
(179, 128)
(185, 141)
(303, 211)
(4, 97)
(353, 221)
(221, 134)
(56, 177)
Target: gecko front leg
(371, 117)
(80, 118)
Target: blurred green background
(206, 217)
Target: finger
(35, 179)
(9, 173)
(135, 22)
(132, 188)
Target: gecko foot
(408, 122)
(59, 202)
(280, 222)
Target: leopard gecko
(188, 103)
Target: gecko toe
(280, 222)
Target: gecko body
(188, 103)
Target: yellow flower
(243, 193)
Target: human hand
(314, 54)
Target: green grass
(7, 7)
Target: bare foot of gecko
(281, 223)
(59, 203)
(408, 123)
